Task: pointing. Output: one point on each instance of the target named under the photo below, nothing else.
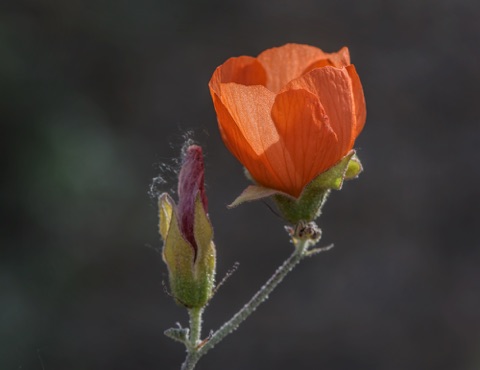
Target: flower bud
(188, 250)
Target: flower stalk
(310, 235)
(195, 326)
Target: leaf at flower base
(205, 259)
(165, 210)
(354, 168)
(178, 334)
(253, 192)
(179, 256)
(177, 252)
(333, 178)
(202, 228)
(309, 205)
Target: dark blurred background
(96, 96)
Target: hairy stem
(195, 325)
(194, 338)
(195, 354)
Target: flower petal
(333, 87)
(242, 70)
(307, 136)
(249, 132)
(288, 62)
(339, 59)
(359, 100)
(190, 185)
(231, 134)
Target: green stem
(194, 338)
(195, 326)
(194, 355)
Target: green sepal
(252, 192)
(179, 256)
(205, 261)
(354, 168)
(305, 208)
(308, 206)
(165, 210)
(333, 177)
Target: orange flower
(290, 114)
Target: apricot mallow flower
(289, 115)
(185, 228)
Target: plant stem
(194, 355)
(195, 325)
(194, 338)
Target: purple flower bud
(187, 233)
(190, 184)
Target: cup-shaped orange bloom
(289, 114)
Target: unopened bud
(188, 250)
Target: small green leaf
(178, 334)
(354, 168)
(308, 206)
(165, 210)
(204, 267)
(179, 256)
(332, 178)
(253, 192)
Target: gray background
(95, 96)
